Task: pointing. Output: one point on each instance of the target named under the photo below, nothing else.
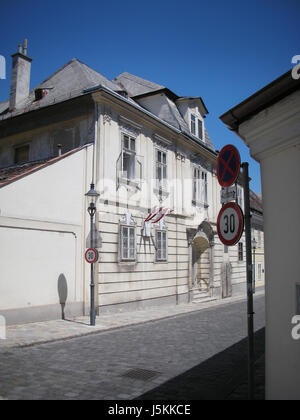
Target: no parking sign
(228, 165)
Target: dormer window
(196, 126)
(193, 124)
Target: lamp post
(92, 197)
(254, 243)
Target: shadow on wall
(62, 287)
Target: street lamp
(254, 243)
(92, 197)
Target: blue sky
(223, 51)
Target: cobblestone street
(197, 355)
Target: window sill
(130, 183)
(127, 262)
(200, 204)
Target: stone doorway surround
(200, 241)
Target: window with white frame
(199, 186)
(161, 245)
(193, 124)
(128, 157)
(258, 239)
(127, 243)
(196, 126)
(259, 272)
(161, 168)
(200, 129)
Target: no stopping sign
(230, 224)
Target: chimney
(20, 76)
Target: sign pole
(249, 283)
(92, 313)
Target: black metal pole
(92, 313)
(249, 282)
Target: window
(259, 272)
(128, 157)
(127, 243)
(200, 129)
(241, 256)
(196, 127)
(161, 169)
(199, 186)
(161, 245)
(204, 187)
(258, 239)
(240, 196)
(21, 154)
(193, 124)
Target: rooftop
(15, 172)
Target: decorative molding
(198, 159)
(273, 129)
(129, 127)
(162, 143)
(127, 219)
(107, 119)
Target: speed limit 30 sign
(230, 224)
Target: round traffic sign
(228, 165)
(230, 224)
(91, 255)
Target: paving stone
(204, 347)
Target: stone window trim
(197, 126)
(161, 191)
(161, 229)
(127, 227)
(133, 161)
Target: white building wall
(146, 282)
(42, 240)
(273, 136)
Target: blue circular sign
(228, 165)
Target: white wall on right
(281, 192)
(273, 136)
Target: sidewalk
(45, 332)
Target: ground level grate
(141, 374)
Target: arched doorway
(202, 261)
(201, 264)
